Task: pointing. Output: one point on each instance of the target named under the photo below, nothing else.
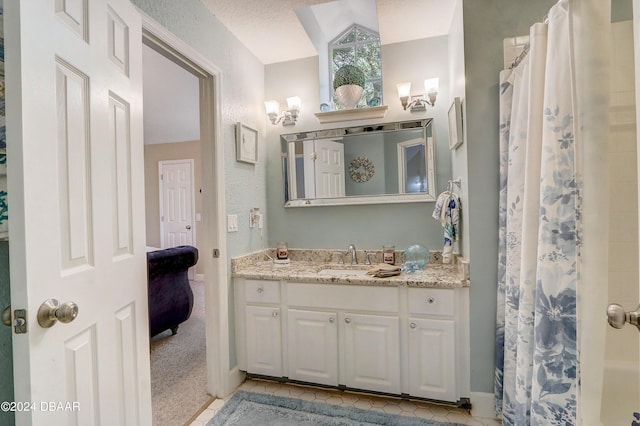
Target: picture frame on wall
(246, 144)
(455, 124)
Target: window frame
(332, 45)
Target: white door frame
(161, 163)
(221, 380)
(402, 162)
(636, 51)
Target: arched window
(361, 47)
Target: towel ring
(456, 182)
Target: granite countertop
(302, 269)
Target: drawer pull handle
(347, 320)
(275, 314)
(260, 289)
(413, 325)
(431, 299)
(332, 320)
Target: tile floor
(370, 402)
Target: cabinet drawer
(256, 291)
(336, 296)
(431, 301)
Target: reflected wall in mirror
(384, 163)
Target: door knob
(51, 311)
(618, 317)
(188, 226)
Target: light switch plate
(232, 223)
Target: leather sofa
(170, 295)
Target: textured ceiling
(272, 31)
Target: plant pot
(349, 95)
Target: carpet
(250, 409)
(179, 368)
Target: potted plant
(348, 84)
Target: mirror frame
(425, 124)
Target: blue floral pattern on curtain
(536, 377)
(4, 208)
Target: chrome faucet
(352, 251)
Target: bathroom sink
(342, 272)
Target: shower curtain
(553, 223)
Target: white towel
(447, 210)
(441, 202)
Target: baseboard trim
(235, 379)
(198, 277)
(483, 405)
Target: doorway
(208, 172)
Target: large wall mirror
(383, 163)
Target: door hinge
(216, 253)
(161, 176)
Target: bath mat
(250, 409)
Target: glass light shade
(431, 85)
(404, 89)
(294, 103)
(272, 107)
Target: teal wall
(6, 359)
(621, 10)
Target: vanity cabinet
(396, 340)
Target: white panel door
(329, 169)
(372, 352)
(177, 203)
(313, 346)
(74, 134)
(431, 359)
(264, 341)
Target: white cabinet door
(264, 341)
(372, 352)
(432, 359)
(313, 346)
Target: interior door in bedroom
(177, 202)
(74, 133)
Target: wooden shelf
(352, 114)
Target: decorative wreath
(361, 169)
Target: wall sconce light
(288, 116)
(418, 102)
